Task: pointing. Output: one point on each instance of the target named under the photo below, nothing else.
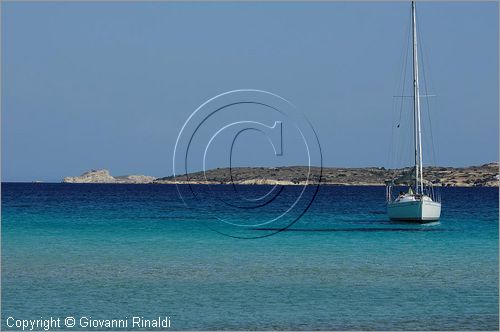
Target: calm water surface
(115, 251)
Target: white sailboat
(419, 203)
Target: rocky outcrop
(135, 179)
(103, 176)
(473, 176)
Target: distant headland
(486, 175)
(103, 176)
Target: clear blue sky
(109, 85)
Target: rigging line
(435, 144)
(399, 156)
(390, 154)
(404, 85)
(424, 54)
(404, 73)
(393, 151)
(427, 143)
(398, 152)
(404, 146)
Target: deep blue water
(115, 251)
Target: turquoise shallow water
(115, 251)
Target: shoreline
(238, 184)
(486, 175)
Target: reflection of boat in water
(418, 202)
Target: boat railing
(392, 192)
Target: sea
(99, 252)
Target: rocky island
(103, 176)
(486, 175)
(474, 176)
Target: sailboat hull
(417, 211)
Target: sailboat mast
(416, 109)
